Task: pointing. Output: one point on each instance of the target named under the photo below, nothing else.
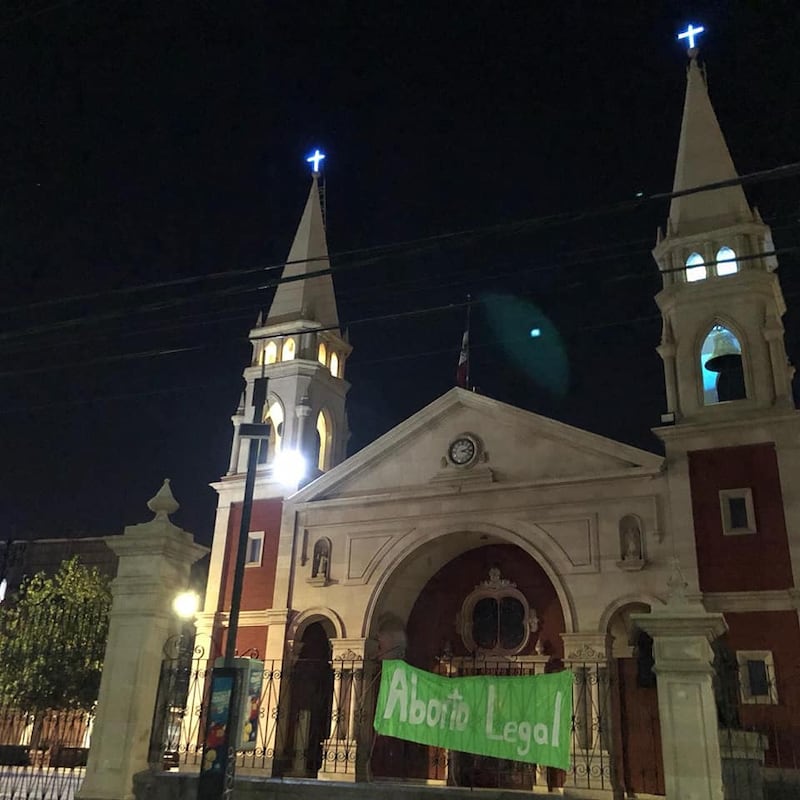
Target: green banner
(525, 718)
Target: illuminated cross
(690, 33)
(315, 159)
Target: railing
(42, 754)
(315, 719)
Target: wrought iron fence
(315, 719)
(51, 656)
(42, 754)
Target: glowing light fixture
(690, 33)
(314, 161)
(3, 589)
(289, 467)
(536, 333)
(185, 604)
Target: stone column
(682, 633)
(154, 562)
(344, 752)
(587, 655)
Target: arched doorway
(637, 733)
(311, 686)
(490, 609)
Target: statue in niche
(320, 562)
(630, 539)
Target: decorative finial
(314, 161)
(689, 34)
(162, 504)
(677, 584)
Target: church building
(476, 536)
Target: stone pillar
(682, 633)
(587, 655)
(344, 752)
(154, 562)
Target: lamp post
(218, 767)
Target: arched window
(721, 366)
(726, 261)
(270, 353)
(334, 365)
(695, 268)
(496, 617)
(288, 350)
(324, 440)
(274, 416)
(322, 354)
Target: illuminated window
(726, 261)
(255, 549)
(274, 416)
(721, 367)
(287, 353)
(324, 439)
(695, 269)
(334, 365)
(270, 353)
(322, 354)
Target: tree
(52, 639)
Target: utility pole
(218, 767)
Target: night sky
(152, 159)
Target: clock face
(462, 451)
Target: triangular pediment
(513, 447)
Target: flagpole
(469, 308)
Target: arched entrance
(637, 733)
(488, 609)
(311, 686)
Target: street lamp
(289, 467)
(185, 604)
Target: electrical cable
(776, 173)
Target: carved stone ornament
(321, 563)
(498, 589)
(348, 655)
(631, 544)
(677, 585)
(586, 653)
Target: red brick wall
(778, 631)
(259, 582)
(749, 562)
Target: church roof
(310, 298)
(523, 448)
(704, 158)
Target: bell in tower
(726, 361)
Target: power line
(567, 217)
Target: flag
(462, 371)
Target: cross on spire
(690, 33)
(314, 161)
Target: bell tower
(299, 347)
(722, 337)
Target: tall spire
(309, 298)
(703, 158)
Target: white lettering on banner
(398, 693)
(453, 713)
(556, 720)
(415, 711)
(521, 731)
